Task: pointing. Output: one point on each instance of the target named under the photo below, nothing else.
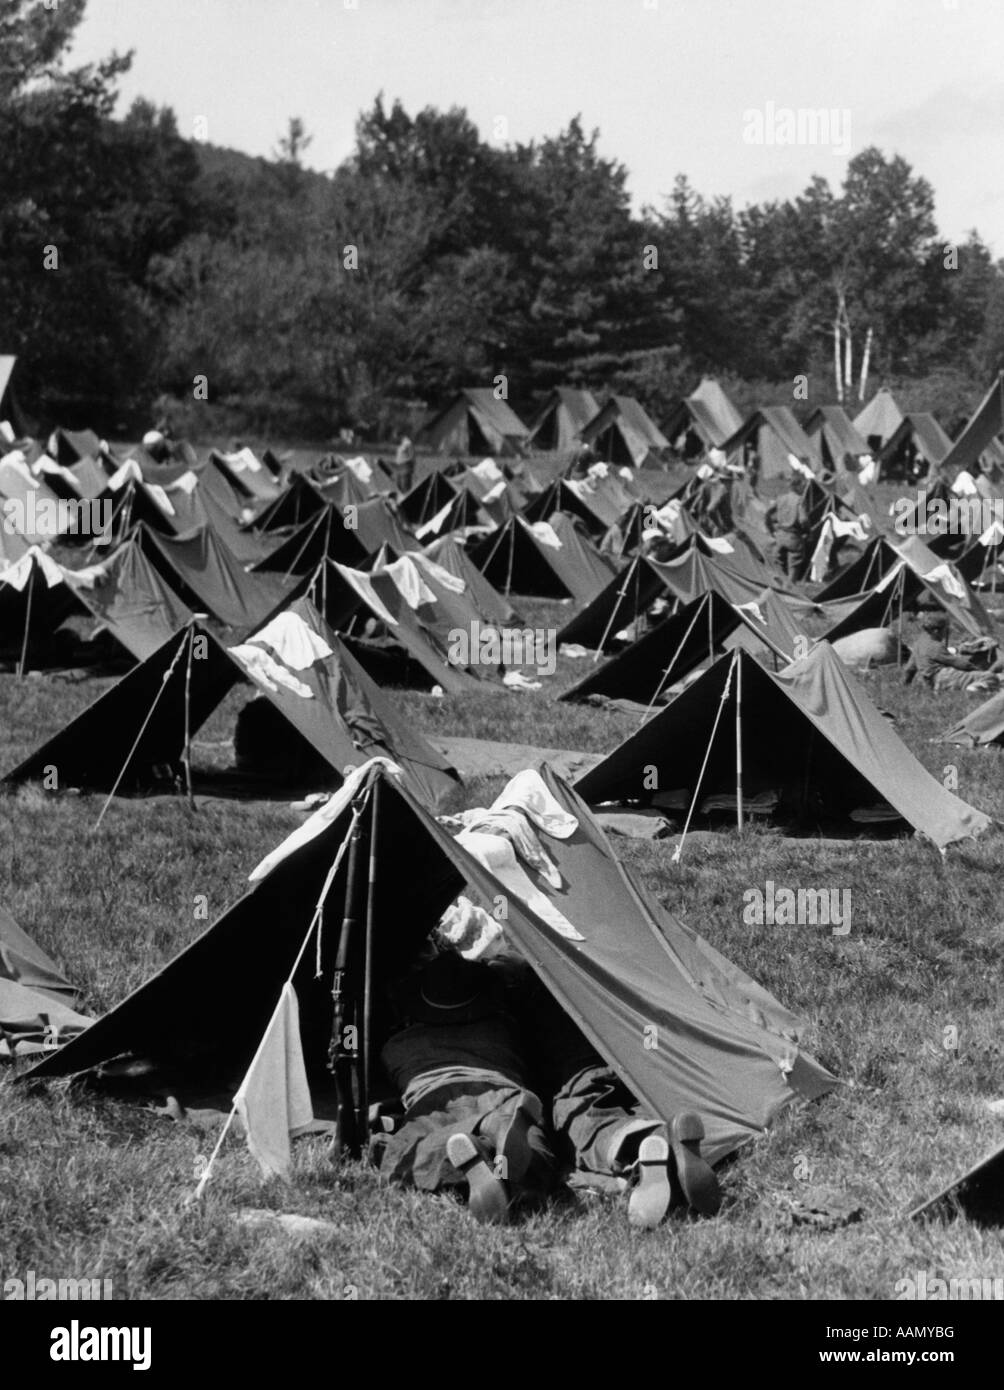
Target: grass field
(90, 1187)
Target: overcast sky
(669, 83)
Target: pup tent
(205, 576)
(389, 618)
(548, 559)
(977, 1194)
(474, 423)
(836, 439)
(804, 745)
(558, 423)
(879, 419)
(318, 714)
(703, 420)
(916, 448)
(681, 642)
(621, 432)
(364, 906)
(903, 577)
(330, 534)
(38, 1005)
(986, 423)
(980, 727)
(778, 439)
(10, 410)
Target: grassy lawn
(93, 1187)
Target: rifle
(343, 1060)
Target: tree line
(134, 259)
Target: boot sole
(488, 1201)
(651, 1195)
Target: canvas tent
(132, 602)
(597, 505)
(918, 436)
(979, 435)
(727, 1049)
(206, 576)
(778, 438)
(474, 423)
(893, 577)
(809, 737)
(879, 419)
(622, 433)
(703, 420)
(558, 423)
(544, 560)
(837, 437)
(980, 727)
(10, 410)
(38, 1005)
(405, 649)
(295, 663)
(676, 646)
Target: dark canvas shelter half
(616, 606)
(672, 649)
(140, 722)
(809, 734)
(449, 553)
(409, 654)
(36, 597)
(131, 600)
(727, 1049)
(10, 410)
(204, 574)
(917, 434)
(703, 420)
(38, 1005)
(777, 437)
(837, 437)
(559, 421)
(623, 433)
(981, 726)
(515, 560)
(986, 423)
(474, 423)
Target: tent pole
(726, 688)
(675, 657)
(22, 663)
(621, 593)
(512, 558)
(901, 584)
(739, 744)
(187, 754)
(366, 1039)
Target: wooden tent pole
(366, 1041)
(621, 593)
(22, 663)
(739, 743)
(187, 754)
(675, 657)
